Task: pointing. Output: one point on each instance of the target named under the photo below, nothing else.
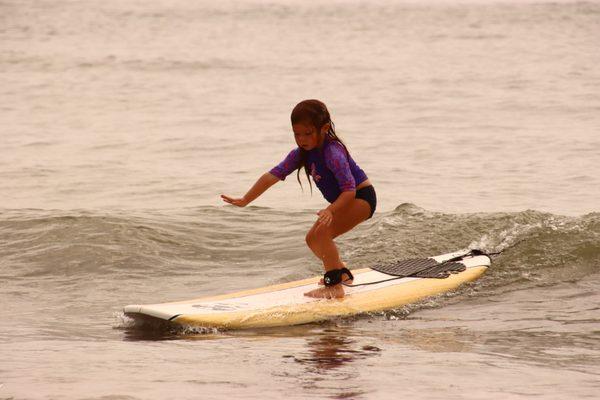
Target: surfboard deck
(285, 304)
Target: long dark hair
(313, 112)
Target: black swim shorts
(368, 194)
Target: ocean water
(123, 121)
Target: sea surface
(121, 123)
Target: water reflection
(333, 349)
(327, 359)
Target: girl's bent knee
(325, 233)
(309, 238)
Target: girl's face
(306, 135)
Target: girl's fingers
(325, 220)
(241, 202)
(229, 200)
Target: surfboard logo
(221, 306)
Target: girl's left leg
(320, 240)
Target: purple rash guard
(331, 169)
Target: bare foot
(327, 292)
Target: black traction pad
(421, 268)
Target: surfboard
(285, 304)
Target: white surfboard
(285, 304)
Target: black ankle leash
(333, 277)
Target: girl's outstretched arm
(262, 184)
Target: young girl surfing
(341, 181)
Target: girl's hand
(241, 202)
(325, 217)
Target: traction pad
(421, 268)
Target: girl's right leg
(321, 244)
(320, 240)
